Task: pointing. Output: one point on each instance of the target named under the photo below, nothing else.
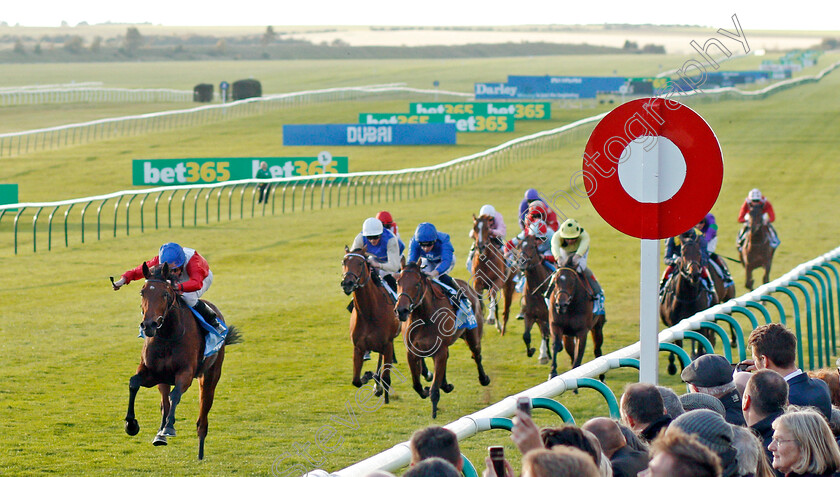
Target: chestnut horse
(373, 323)
(756, 251)
(429, 329)
(490, 272)
(173, 354)
(571, 306)
(685, 295)
(534, 309)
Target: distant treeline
(73, 52)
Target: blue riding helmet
(531, 194)
(425, 232)
(173, 254)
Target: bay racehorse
(571, 304)
(373, 323)
(756, 251)
(173, 355)
(490, 272)
(429, 329)
(534, 308)
(685, 295)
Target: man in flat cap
(712, 374)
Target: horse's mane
(412, 266)
(157, 272)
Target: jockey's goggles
(427, 244)
(374, 237)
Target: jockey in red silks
(388, 223)
(193, 278)
(753, 198)
(532, 197)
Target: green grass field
(68, 346)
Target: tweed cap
(672, 402)
(708, 371)
(713, 432)
(694, 401)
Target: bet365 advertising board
(211, 170)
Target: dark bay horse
(173, 355)
(373, 323)
(429, 329)
(724, 293)
(684, 295)
(490, 272)
(571, 306)
(756, 251)
(534, 309)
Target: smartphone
(742, 366)
(524, 404)
(497, 456)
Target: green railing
(496, 415)
(189, 206)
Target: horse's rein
(412, 303)
(357, 278)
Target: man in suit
(774, 347)
(625, 461)
(765, 399)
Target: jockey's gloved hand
(373, 262)
(119, 283)
(765, 218)
(434, 274)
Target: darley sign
(211, 170)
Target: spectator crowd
(771, 419)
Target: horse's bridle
(479, 239)
(356, 279)
(413, 303)
(171, 298)
(560, 292)
(528, 259)
(686, 263)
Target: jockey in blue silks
(439, 255)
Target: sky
(808, 15)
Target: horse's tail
(233, 337)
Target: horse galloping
(685, 295)
(490, 272)
(173, 355)
(429, 329)
(757, 252)
(571, 305)
(534, 309)
(373, 323)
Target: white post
(649, 312)
(651, 162)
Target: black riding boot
(208, 314)
(350, 306)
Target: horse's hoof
(672, 369)
(531, 351)
(733, 344)
(484, 380)
(159, 440)
(365, 377)
(602, 378)
(167, 432)
(447, 388)
(544, 360)
(131, 427)
(425, 393)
